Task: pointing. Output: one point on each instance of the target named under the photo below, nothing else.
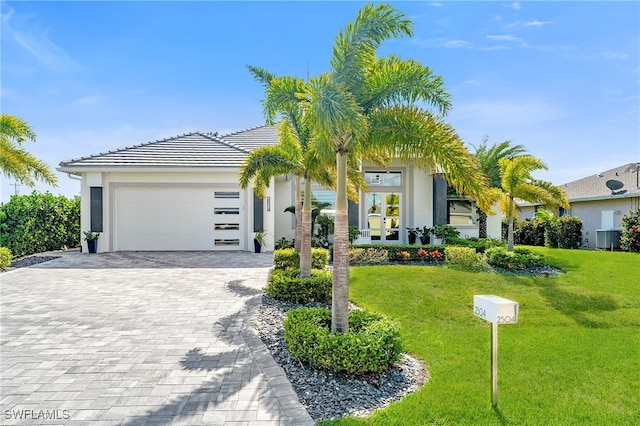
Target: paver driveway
(140, 338)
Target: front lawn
(572, 359)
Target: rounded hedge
(5, 257)
(371, 345)
(288, 286)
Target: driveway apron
(140, 338)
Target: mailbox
(495, 309)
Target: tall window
(460, 209)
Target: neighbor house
(182, 193)
(600, 200)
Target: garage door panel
(170, 218)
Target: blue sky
(560, 78)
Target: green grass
(572, 359)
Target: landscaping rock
(328, 395)
(29, 260)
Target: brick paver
(141, 338)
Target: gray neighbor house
(600, 200)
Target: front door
(383, 216)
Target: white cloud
(537, 23)
(515, 5)
(435, 4)
(36, 41)
(505, 37)
(456, 44)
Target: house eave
(77, 170)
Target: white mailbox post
(496, 310)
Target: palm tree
(294, 154)
(15, 162)
(517, 182)
(366, 107)
(487, 159)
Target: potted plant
(413, 233)
(425, 235)
(92, 240)
(258, 240)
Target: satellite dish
(614, 185)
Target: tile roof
(595, 186)
(189, 150)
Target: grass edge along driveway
(573, 358)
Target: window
(226, 194)
(96, 208)
(226, 210)
(460, 209)
(383, 178)
(226, 242)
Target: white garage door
(178, 218)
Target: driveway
(140, 338)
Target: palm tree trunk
(340, 289)
(305, 246)
(298, 215)
(510, 228)
(482, 224)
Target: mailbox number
(480, 312)
(506, 319)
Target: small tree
(630, 225)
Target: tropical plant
(517, 182)
(487, 159)
(630, 225)
(91, 236)
(443, 232)
(294, 154)
(370, 107)
(15, 162)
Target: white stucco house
(182, 193)
(600, 201)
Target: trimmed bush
(569, 232)
(371, 345)
(368, 254)
(464, 257)
(288, 286)
(5, 257)
(39, 222)
(518, 259)
(319, 257)
(479, 244)
(289, 258)
(444, 232)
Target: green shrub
(520, 258)
(528, 232)
(354, 233)
(371, 345)
(288, 286)
(287, 258)
(444, 232)
(5, 257)
(319, 257)
(569, 232)
(39, 222)
(367, 256)
(290, 258)
(464, 257)
(479, 244)
(630, 237)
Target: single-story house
(600, 200)
(182, 193)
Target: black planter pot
(412, 239)
(92, 245)
(257, 246)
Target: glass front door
(383, 216)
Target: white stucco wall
(110, 181)
(284, 197)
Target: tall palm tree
(517, 182)
(15, 162)
(295, 154)
(487, 159)
(367, 107)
